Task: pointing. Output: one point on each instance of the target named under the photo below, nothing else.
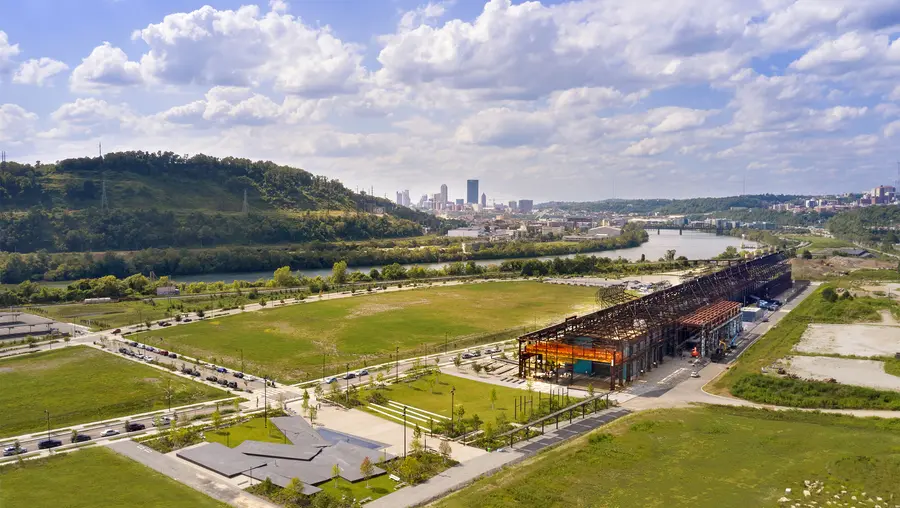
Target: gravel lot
(869, 373)
(850, 340)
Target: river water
(691, 244)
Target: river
(691, 244)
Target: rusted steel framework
(633, 335)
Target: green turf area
(474, 396)
(379, 486)
(253, 429)
(100, 316)
(94, 478)
(818, 242)
(701, 457)
(289, 342)
(744, 378)
(79, 384)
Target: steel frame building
(629, 337)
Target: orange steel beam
(558, 351)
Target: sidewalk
(195, 478)
(488, 464)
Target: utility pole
(266, 401)
(347, 376)
(397, 369)
(452, 407)
(404, 431)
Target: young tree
(237, 404)
(444, 448)
(339, 272)
(477, 367)
(319, 391)
(590, 389)
(416, 443)
(280, 399)
(335, 391)
(292, 494)
(431, 382)
(367, 469)
(476, 421)
(312, 414)
(457, 360)
(493, 397)
(75, 434)
(216, 419)
(306, 404)
(460, 414)
(379, 380)
(335, 472)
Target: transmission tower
(245, 209)
(104, 201)
(3, 161)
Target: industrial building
(630, 335)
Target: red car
(163, 352)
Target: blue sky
(540, 100)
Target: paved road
(208, 483)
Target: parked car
(695, 374)
(133, 344)
(187, 320)
(109, 432)
(223, 370)
(163, 421)
(363, 372)
(163, 352)
(467, 355)
(117, 331)
(349, 375)
(330, 380)
(212, 379)
(49, 443)
(248, 377)
(195, 373)
(232, 384)
(223, 382)
(80, 438)
(9, 451)
(173, 356)
(123, 350)
(133, 427)
(238, 375)
(151, 349)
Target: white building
(465, 232)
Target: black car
(195, 373)
(49, 443)
(133, 344)
(173, 356)
(238, 375)
(80, 438)
(223, 382)
(212, 379)
(132, 427)
(232, 384)
(187, 320)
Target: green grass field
(94, 478)
(379, 486)
(289, 342)
(474, 396)
(79, 384)
(701, 457)
(253, 429)
(743, 379)
(818, 242)
(113, 315)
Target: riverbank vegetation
(16, 268)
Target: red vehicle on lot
(163, 352)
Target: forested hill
(159, 200)
(675, 206)
(871, 224)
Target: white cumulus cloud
(38, 71)
(106, 67)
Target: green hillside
(164, 200)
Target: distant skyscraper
(406, 200)
(513, 206)
(483, 200)
(444, 193)
(472, 192)
(400, 198)
(436, 201)
(460, 201)
(526, 205)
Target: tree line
(42, 265)
(676, 206)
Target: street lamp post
(347, 376)
(452, 396)
(404, 431)
(266, 401)
(397, 359)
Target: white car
(109, 432)
(248, 377)
(695, 374)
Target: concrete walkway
(194, 478)
(488, 464)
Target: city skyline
(785, 96)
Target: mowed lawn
(94, 478)
(702, 457)
(289, 342)
(79, 384)
(474, 396)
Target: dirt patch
(850, 340)
(869, 373)
(370, 309)
(150, 380)
(279, 327)
(833, 266)
(6, 369)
